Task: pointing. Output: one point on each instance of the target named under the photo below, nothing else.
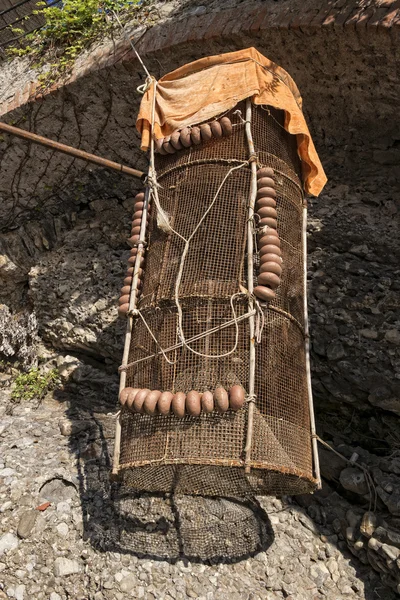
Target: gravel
(96, 541)
(65, 566)
(8, 541)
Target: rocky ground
(67, 533)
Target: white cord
(170, 362)
(195, 338)
(180, 273)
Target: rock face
(75, 288)
(18, 336)
(354, 295)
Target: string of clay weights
(132, 241)
(154, 402)
(269, 244)
(193, 136)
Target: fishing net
(205, 455)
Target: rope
(288, 316)
(170, 362)
(251, 398)
(163, 221)
(234, 320)
(260, 320)
(238, 112)
(266, 109)
(190, 340)
(367, 475)
(202, 161)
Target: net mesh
(205, 455)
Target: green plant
(34, 384)
(69, 29)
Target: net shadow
(195, 528)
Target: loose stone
(27, 523)
(8, 542)
(65, 566)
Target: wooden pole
(129, 326)
(97, 160)
(250, 285)
(133, 294)
(307, 352)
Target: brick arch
(253, 21)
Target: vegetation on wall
(69, 28)
(34, 384)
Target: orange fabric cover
(203, 89)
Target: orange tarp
(204, 89)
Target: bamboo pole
(250, 287)
(97, 160)
(129, 326)
(307, 352)
(133, 294)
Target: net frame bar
(129, 326)
(314, 444)
(250, 284)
